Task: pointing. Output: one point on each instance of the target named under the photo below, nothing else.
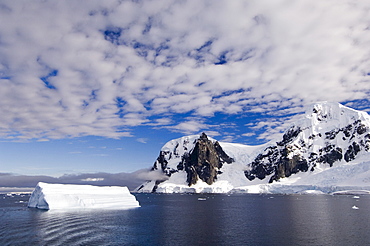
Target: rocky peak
(200, 157)
(204, 161)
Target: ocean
(194, 219)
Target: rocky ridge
(330, 134)
(327, 137)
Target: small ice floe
(311, 192)
(202, 198)
(356, 197)
(354, 207)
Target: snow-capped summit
(329, 115)
(329, 134)
(328, 138)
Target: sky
(98, 87)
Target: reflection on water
(184, 220)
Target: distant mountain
(327, 150)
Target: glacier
(326, 151)
(67, 196)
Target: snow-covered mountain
(327, 150)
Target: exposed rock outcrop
(201, 159)
(204, 161)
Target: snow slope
(326, 151)
(66, 196)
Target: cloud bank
(78, 68)
(131, 180)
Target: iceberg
(66, 196)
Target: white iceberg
(67, 196)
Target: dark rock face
(203, 162)
(290, 156)
(329, 154)
(289, 135)
(352, 152)
(276, 161)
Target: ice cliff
(66, 196)
(327, 150)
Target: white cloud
(142, 140)
(76, 68)
(228, 139)
(92, 179)
(160, 122)
(145, 174)
(189, 126)
(42, 140)
(212, 133)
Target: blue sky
(100, 86)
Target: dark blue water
(184, 220)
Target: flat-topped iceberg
(67, 196)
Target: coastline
(16, 190)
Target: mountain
(330, 133)
(327, 150)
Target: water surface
(175, 219)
